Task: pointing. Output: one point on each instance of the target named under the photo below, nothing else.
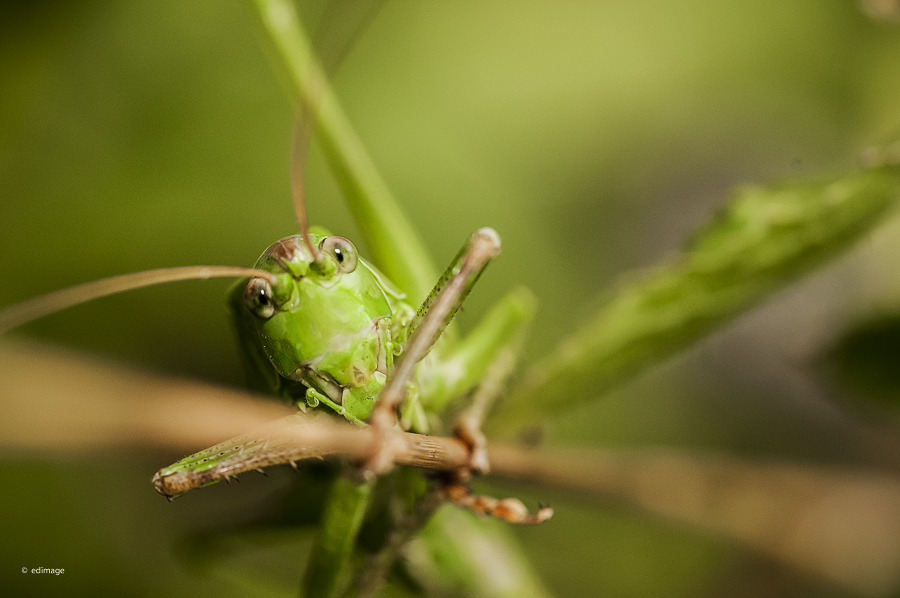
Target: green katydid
(334, 323)
(319, 324)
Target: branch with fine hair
(298, 437)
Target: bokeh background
(594, 136)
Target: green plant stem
(344, 511)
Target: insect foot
(510, 510)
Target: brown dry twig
(299, 436)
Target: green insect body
(328, 330)
(333, 324)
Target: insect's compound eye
(343, 252)
(258, 298)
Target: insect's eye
(343, 252)
(258, 298)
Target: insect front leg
(314, 397)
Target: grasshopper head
(320, 314)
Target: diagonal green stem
(391, 238)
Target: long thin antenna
(300, 138)
(38, 307)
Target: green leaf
(764, 239)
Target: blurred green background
(594, 136)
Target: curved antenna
(38, 307)
(300, 137)
(339, 28)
